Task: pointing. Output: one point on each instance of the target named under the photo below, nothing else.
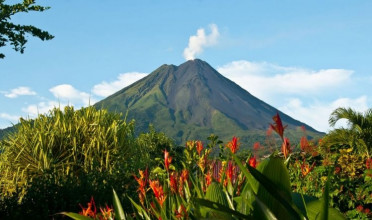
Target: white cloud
(19, 91)
(66, 92)
(6, 116)
(41, 108)
(266, 80)
(198, 42)
(105, 89)
(317, 114)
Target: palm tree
(358, 134)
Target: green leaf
(75, 216)
(119, 212)
(271, 188)
(267, 214)
(141, 212)
(221, 208)
(314, 210)
(299, 202)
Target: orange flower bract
(234, 145)
(278, 125)
(286, 147)
(167, 159)
(158, 191)
(199, 147)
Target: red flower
(167, 159)
(253, 162)
(306, 169)
(208, 178)
(91, 210)
(234, 145)
(367, 211)
(106, 212)
(304, 144)
(158, 191)
(278, 125)
(369, 163)
(337, 170)
(173, 182)
(359, 208)
(286, 148)
(199, 147)
(142, 181)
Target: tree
(15, 34)
(359, 133)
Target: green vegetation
(358, 135)
(56, 161)
(52, 164)
(15, 34)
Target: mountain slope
(193, 100)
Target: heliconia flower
(208, 179)
(230, 173)
(167, 159)
(359, 208)
(253, 162)
(286, 148)
(142, 181)
(234, 145)
(369, 163)
(91, 210)
(278, 125)
(304, 144)
(106, 212)
(158, 191)
(199, 147)
(185, 175)
(173, 182)
(306, 169)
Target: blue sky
(304, 57)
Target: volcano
(192, 101)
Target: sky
(305, 58)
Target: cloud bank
(198, 42)
(19, 91)
(66, 92)
(317, 114)
(296, 91)
(105, 89)
(266, 80)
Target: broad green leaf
(76, 216)
(299, 202)
(314, 209)
(271, 188)
(119, 212)
(221, 208)
(266, 212)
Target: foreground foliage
(56, 161)
(223, 187)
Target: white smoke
(199, 41)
